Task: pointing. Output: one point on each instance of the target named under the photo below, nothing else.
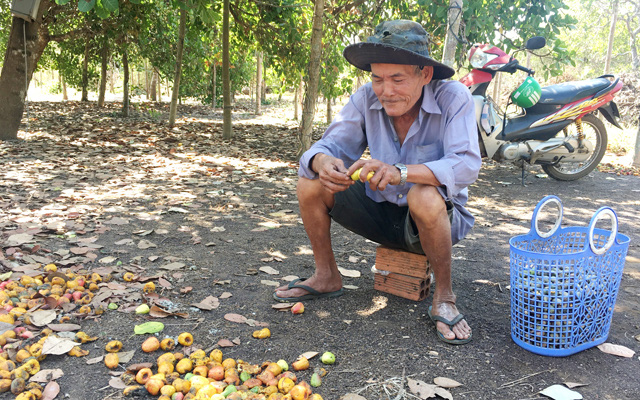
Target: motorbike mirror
(536, 42)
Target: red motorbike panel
(475, 77)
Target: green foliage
(590, 36)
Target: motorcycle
(555, 126)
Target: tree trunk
(85, 73)
(313, 78)
(258, 82)
(636, 153)
(103, 72)
(15, 78)
(612, 31)
(296, 102)
(328, 110)
(635, 61)
(227, 132)
(176, 80)
(125, 82)
(147, 85)
(65, 96)
(451, 38)
(214, 89)
(154, 85)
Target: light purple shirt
(443, 137)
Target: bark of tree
(633, 45)
(214, 89)
(296, 102)
(313, 78)
(104, 54)
(227, 132)
(125, 82)
(147, 85)
(612, 31)
(85, 73)
(258, 82)
(451, 39)
(15, 78)
(176, 80)
(154, 85)
(636, 154)
(329, 110)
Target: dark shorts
(384, 223)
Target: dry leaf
(616, 350)
(94, 360)
(444, 393)
(225, 343)
(50, 391)
(209, 303)
(42, 317)
(117, 383)
(235, 318)
(145, 244)
(270, 283)
(559, 392)
(353, 259)
(308, 355)
(421, 389)
(58, 346)
(446, 382)
(46, 375)
(139, 366)
(173, 266)
(64, 327)
(158, 312)
(282, 306)
(18, 240)
(290, 278)
(352, 396)
(350, 273)
(225, 295)
(269, 270)
(126, 356)
(186, 289)
(572, 385)
(107, 260)
(116, 221)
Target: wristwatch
(403, 173)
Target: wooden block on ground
(408, 287)
(402, 262)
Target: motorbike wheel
(596, 133)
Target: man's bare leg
(435, 236)
(315, 203)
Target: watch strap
(403, 172)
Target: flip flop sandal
(313, 294)
(457, 319)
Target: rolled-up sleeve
(345, 138)
(461, 161)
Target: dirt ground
(201, 216)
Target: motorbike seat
(568, 92)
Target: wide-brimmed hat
(396, 42)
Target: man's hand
(384, 174)
(332, 173)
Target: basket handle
(603, 212)
(534, 219)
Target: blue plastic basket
(564, 283)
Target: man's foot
(308, 289)
(450, 324)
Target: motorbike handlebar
(525, 69)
